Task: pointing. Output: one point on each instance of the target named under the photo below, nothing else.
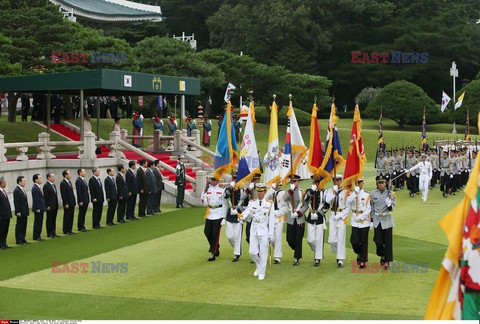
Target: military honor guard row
(266, 211)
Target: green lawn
(168, 276)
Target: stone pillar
(88, 147)
(22, 156)
(183, 145)
(44, 151)
(177, 142)
(157, 141)
(115, 148)
(200, 183)
(3, 150)
(196, 134)
(123, 135)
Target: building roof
(103, 82)
(111, 10)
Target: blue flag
(226, 153)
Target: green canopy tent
(103, 82)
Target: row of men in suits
(120, 191)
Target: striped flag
(248, 165)
(332, 158)
(315, 151)
(459, 101)
(455, 294)
(295, 149)
(226, 152)
(380, 142)
(271, 160)
(356, 153)
(424, 134)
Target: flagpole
(291, 153)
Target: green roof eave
(103, 82)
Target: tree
(403, 102)
(367, 94)
(471, 102)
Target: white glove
(251, 185)
(314, 216)
(240, 220)
(223, 222)
(314, 187)
(355, 219)
(232, 184)
(274, 185)
(388, 202)
(451, 176)
(233, 211)
(292, 187)
(357, 189)
(337, 218)
(335, 188)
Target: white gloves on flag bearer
(335, 188)
(388, 202)
(223, 222)
(292, 187)
(232, 184)
(251, 186)
(314, 187)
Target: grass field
(168, 276)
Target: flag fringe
(247, 179)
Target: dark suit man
(68, 201)
(152, 190)
(83, 199)
(38, 207)
(180, 181)
(21, 210)
(122, 193)
(111, 195)
(142, 188)
(51, 201)
(96, 194)
(160, 186)
(25, 106)
(132, 187)
(5, 214)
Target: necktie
(99, 182)
(114, 184)
(54, 188)
(85, 181)
(260, 203)
(4, 193)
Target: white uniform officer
(214, 199)
(337, 199)
(359, 202)
(234, 228)
(280, 206)
(262, 216)
(425, 170)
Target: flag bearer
(337, 198)
(295, 219)
(234, 228)
(280, 207)
(315, 200)
(359, 202)
(382, 202)
(214, 199)
(262, 215)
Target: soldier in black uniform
(5, 214)
(180, 181)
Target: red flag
(315, 152)
(356, 153)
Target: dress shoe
(317, 263)
(387, 266)
(159, 210)
(255, 273)
(25, 242)
(362, 265)
(38, 239)
(181, 205)
(121, 221)
(178, 206)
(212, 258)
(20, 243)
(83, 230)
(109, 224)
(382, 261)
(295, 262)
(4, 247)
(72, 233)
(51, 236)
(340, 264)
(236, 258)
(251, 261)
(261, 277)
(218, 253)
(56, 235)
(277, 261)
